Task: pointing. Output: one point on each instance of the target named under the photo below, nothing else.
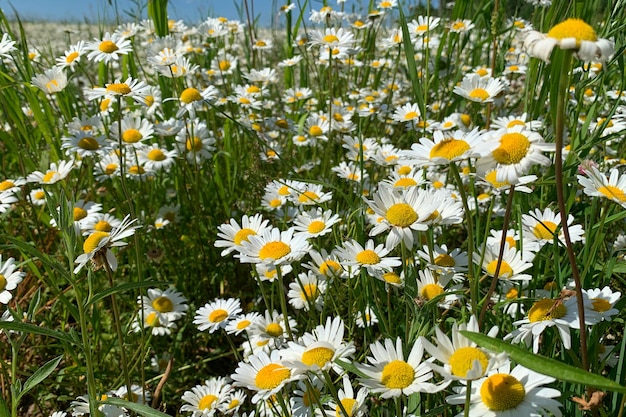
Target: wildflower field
(391, 210)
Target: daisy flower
(72, 56)
(192, 99)
(461, 359)
(479, 89)
(170, 305)
(85, 143)
(602, 303)
(7, 198)
(264, 374)
(80, 407)
(6, 45)
(373, 258)
(443, 149)
(365, 318)
(268, 272)
(571, 34)
(109, 48)
(353, 405)
(97, 246)
(155, 157)
(461, 26)
(272, 326)
(242, 323)
(138, 394)
(231, 235)
(273, 247)
(505, 122)
(234, 400)
(422, 25)
(51, 81)
(55, 173)
(132, 131)
(408, 112)
(196, 142)
(331, 38)
(325, 264)
(37, 197)
(511, 266)
(9, 278)
(597, 184)
(388, 372)
(307, 291)
(206, 399)
(504, 393)
(414, 178)
(443, 261)
(305, 397)
(430, 287)
(135, 89)
(216, 314)
(542, 227)
(100, 222)
(315, 222)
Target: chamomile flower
(132, 88)
(109, 48)
(365, 318)
(307, 291)
(55, 173)
(264, 374)
(443, 149)
(409, 112)
(545, 226)
(326, 264)
(273, 247)
(388, 372)
(216, 314)
(97, 246)
(242, 323)
(511, 265)
(602, 302)
(9, 278)
(132, 131)
(51, 81)
(170, 304)
(72, 56)
(100, 222)
(196, 142)
(331, 38)
(354, 405)
(443, 261)
(315, 222)
(80, 407)
(372, 257)
(231, 235)
(6, 45)
(571, 34)
(273, 326)
(191, 99)
(479, 89)
(305, 397)
(138, 394)
(268, 272)
(504, 393)
(206, 399)
(596, 184)
(37, 197)
(430, 286)
(85, 143)
(156, 157)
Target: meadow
(394, 211)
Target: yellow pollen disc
(136, 170)
(405, 182)
(411, 115)
(438, 184)
(502, 392)
(79, 213)
(243, 324)
(224, 65)
(189, 95)
(108, 47)
(392, 278)
(401, 215)
(3, 282)
(242, 235)
(482, 72)
(244, 100)
(91, 243)
(367, 257)
(348, 405)
(515, 122)
(40, 195)
(466, 119)
(308, 197)
(519, 24)
(546, 309)
(89, 144)
(319, 356)
(512, 294)
(463, 358)
(276, 202)
(206, 402)
(513, 148)
(315, 131)
(491, 179)
(330, 39)
(218, 315)
(397, 374)
(404, 170)
(152, 320)
(422, 28)
(316, 226)
(479, 93)
(163, 304)
(326, 9)
(271, 376)
(513, 68)
(445, 260)
(233, 403)
(274, 329)
(119, 88)
(600, 305)
(51, 84)
(49, 175)
(71, 57)
(284, 190)
(330, 268)
(274, 250)
(309, 292)
(105, 104)
(430, 291)
(573, 28)
(505, 269)
(545, 230)
(6, 184)
(156, 155)
(131, 136)
(260, 43)
(262, 343)
(613, 193)
(458, 25)
(193, 144)
(110, 169)
(149, 100)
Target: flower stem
(468, 397)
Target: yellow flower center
(260, 44)
(411, 115)
(71, 57)
(136, 170)
(502, 392)
(91, 243)
(3, 282)
(274, 250)
(330, 39)
(445, 260)
(88, 143)
(545, 230)
(367, 257)
(277, 202)
(421, 28)
(430, 291)
(397, 374)
(512, 294)
(405, 182)
(271, 376)
(152, 320)
(224, 65)
(449, 149)
(491, 179)
(319, 356)
(105, 104)
(315, 131)
(463, 359)
(458, 25)
(108, 47)
(103, 226)
(573, 28)
(348, 405)
(194, 144)
(513, 148)
(479, 93)
(392, 278)
(600, 305)
(243, 324)
(515, 122)
(546, 309)
(274, 329)
(163, 304)
(316, 226)
(404, 170)
(119, 88)
(613, 193)
(309, 292)
(156, 155)
(49, 176)
(330, 268)
(131, 136)
(505, 269)
(189, 95)
(218, 315)
(149, 100)
(6, 184)
(401, 215)
(52, 84)
(308, 197)
(79, 213)
(242, 235)
(206, 402)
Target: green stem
(468, 397)
(84, 333)
(283, 301)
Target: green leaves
(544, 365)
(140, 409)
(34, 380)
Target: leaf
(124, 287)
(141, 409)
(544, 365)
(30, 328)
(39, 375)
(349, 366)
(4, 408)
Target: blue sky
(192, 11)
